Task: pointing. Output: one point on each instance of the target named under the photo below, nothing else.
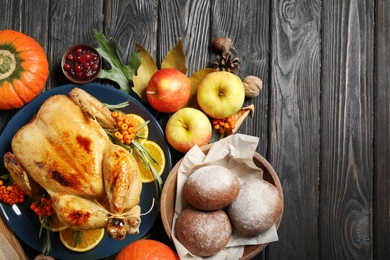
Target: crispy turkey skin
(93, 183)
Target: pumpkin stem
(7, 64)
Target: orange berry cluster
(42, 207)
(11, 194)
(127, 130)
(221, 125)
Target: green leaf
(119, 73)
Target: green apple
(168, 90)
(188, 127)
(221, 94)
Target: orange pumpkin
(147, 249)
(24, 69)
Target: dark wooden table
(323, 116)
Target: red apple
(188, 127)
(168, 90)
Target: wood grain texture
(189, 21)
(131, 22)
(247, 24)
(294, 124)
(346, 134)
(381, 178)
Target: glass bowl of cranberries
(81, 63)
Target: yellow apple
(188, 127)
(220, 94)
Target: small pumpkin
(147, 249)
(24, 69)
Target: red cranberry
(94, 67)
(82, 63)
(80, 74)
(67, 66)
(78, 68)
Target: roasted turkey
(64, 150)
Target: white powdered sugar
(211, 187)
(213, 178)
(256, 207)
(204, 233)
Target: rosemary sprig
(117, 106)
(6, 176)
(79, 237)
(148, 159)
(46, 247)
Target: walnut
(253, 86)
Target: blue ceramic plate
(25, 223)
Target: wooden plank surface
(381, 195)
(323, 117)
(294, 124)
(347, 130)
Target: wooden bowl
(168, 197)
(89, 74)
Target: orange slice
(81, 240)
(143, 133)
(158, 154)
(53, 223)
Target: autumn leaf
(175, 58)
(119, 73)
(145, 71)
(239, 117)
(195, 79)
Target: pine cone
(227, 62)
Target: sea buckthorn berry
(42, 207)
(124, 126)
(120, 117)
(221, 125)
(114, 114)
(10, 194)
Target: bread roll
(256, 208)
(211, 187)
(203, 233)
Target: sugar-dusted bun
(203, 233)
(256, 208)
(211, 187)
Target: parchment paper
(236, 153)
(6, 250)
